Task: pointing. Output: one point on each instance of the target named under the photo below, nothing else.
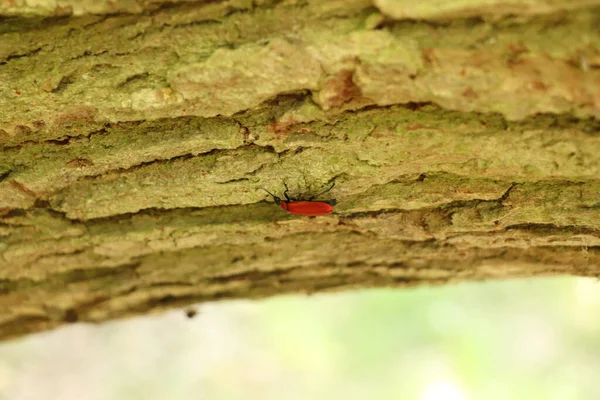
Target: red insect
(308, 207)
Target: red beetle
(308, 207)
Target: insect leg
(286, 192)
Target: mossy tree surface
(136, 136)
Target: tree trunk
(136, 137)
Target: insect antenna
(276, 199)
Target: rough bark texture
(135, 137)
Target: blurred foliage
(522, 339)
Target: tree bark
(136, 137)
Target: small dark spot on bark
(71, 316)
(191, 312)
(236, 259)
(39, 203)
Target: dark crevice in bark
(64, 82)
(552, 229)
(4, 173)
(21, 55)
(91, 274)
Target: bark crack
(21, 55)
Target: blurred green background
(521, 339)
